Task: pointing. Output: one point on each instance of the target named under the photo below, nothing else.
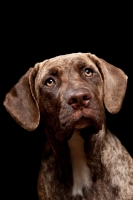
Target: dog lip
(81, 119)
(85, 118)
(81, 115)
(82, 123)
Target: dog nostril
(74, 100)
(85, 97)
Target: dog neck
(80, 150)
(81, 172)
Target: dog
(82, 159)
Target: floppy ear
(21, 102)
(115, 83)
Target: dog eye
(49, 82)
(88, 72)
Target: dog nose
(79, 99)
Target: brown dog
(82, 160)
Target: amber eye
(50, 82)
(88, 72)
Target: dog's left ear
(21, 101)
(115, 83)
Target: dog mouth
(86, 118)
(77, 120)
(82, 122)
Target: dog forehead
(63, 62)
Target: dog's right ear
(115, 83)
(21, 102)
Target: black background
(33, 33)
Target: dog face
(68, 92)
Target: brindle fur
(82, 159)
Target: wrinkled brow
(54, 71)
(80, 64)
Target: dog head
(67, 92)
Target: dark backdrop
(32, 33)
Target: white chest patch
(81, 172)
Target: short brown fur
(82, 159)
